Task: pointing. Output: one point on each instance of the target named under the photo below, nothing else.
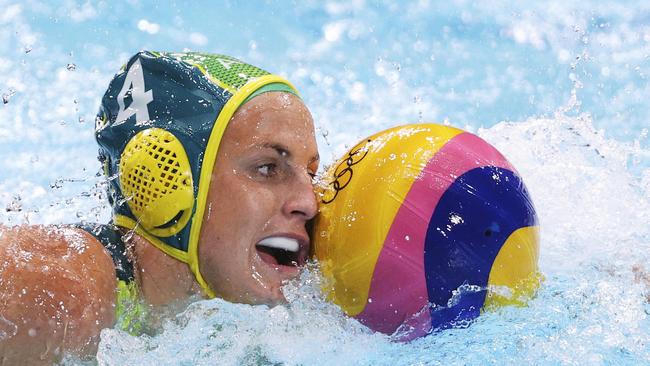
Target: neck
(163, 280)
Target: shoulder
(54, 249)
(57, 291)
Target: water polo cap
(158, 128)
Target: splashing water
(241, 334)
(363, 67)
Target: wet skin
(261, 188)
(57, 292)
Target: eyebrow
(284, 151)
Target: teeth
(280, 242)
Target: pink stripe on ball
(398, 287)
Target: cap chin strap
(129, 223)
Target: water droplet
(8, 95)
(15, 205)
(127, 237)
(456, 219)
(57, 184)
(71, 67)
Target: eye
(267, 170)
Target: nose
(301, 199)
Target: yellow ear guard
(155, 174)
(159, 128)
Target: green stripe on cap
(270, 88)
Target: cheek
(237, 213)
(242, 205)
(244, 202)
(228, 199)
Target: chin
(271, 298)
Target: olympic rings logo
(343, 172)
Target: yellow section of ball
(363, 192)
(514, 278)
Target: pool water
(560, 87)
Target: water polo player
(210, 164)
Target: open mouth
(280, 251)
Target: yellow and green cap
(159, 127)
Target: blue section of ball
(473, 219)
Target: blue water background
(559, 86)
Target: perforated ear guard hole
(156, 180)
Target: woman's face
(253, 235)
